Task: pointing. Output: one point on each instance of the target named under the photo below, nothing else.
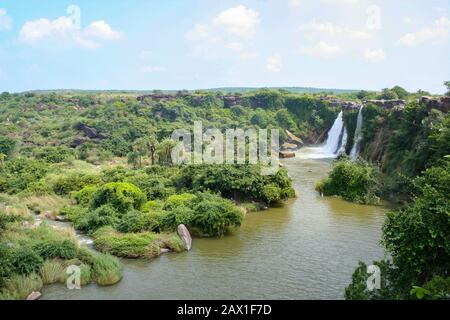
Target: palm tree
(164, 151)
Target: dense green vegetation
(411, 148)
(353, 181)
(103, 162)
(34, 255)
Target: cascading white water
(358, 137)
(335, 135)
(335, 144)
(343, 141)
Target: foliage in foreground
(418, 239)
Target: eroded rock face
(185, 236)
(292, 139)
(90, 132)
(441, 103)
(388, 104)
(345, 105)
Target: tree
(401, 92)
(164, 151)
(447, 84)
(133, 159)
(7, 145)
(388, 94)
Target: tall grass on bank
(18, 287)
(105, 269)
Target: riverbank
(306, 249)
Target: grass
(43, 204)
(52, 271)
(105, 269)
(135, 245)
(18, 287)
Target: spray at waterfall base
(336, 141)
(237, 146)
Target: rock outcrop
(441, 103)
(185, 236)
(90, 132)
(388, 104)
(293, 139)
(343, 104)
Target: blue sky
(190, 44)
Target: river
(307, 249)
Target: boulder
(287, 154)
(49, 215)
(90, 132)
(294, 139)
(35, 295)
(185, 236)
(289, 146)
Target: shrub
(179, 200)
(271, 193)
(213, 216)
(24, 260)
(152, 205)
(353, 181)
(55, 154)
(178, 215)
(17, 174)
(64, 185)
(136, 221)
(105, 215)
(121, 196)
(49, 249)
(84, 196)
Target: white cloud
(152, 69)
(437, 33)
(374, 55)
(64, 32)
(240, 20)
(5, 20)
(274, 63)
(227, 35)
(331, 29)
(322, 50)
(101, 30)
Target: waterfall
(343, 141)
(335, 135)
(357, 139)
(335, 144)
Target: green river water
(306, 249)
